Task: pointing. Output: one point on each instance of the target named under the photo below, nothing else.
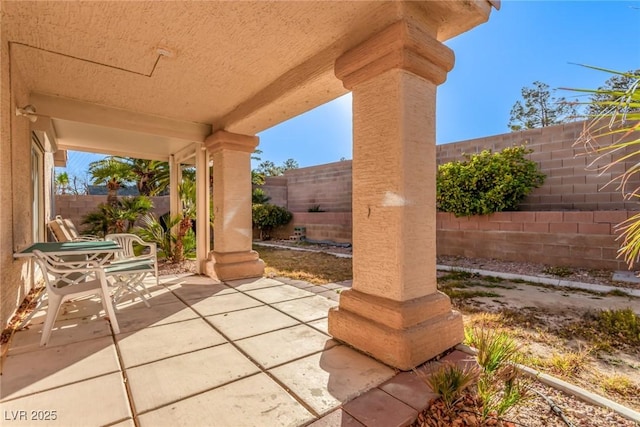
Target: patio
(244, 352)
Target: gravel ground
(598, 277)
(538, 412)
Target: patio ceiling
(178, 70)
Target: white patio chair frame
(64, 230)
(135, 264)
(66, 280)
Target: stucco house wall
(15, 188)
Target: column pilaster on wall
(232, 256)
(202, 207)
(175, 178)
(394, 311)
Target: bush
(487, 182)
(259, 197)
(266, 217)
(120, 217)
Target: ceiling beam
(95, 114)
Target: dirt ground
(552, 326)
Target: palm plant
(62, 182)
(151, 177)
(187, 193)
(117, 218)
(618, 117)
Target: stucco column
(175, 178)
(202, 207)
(394, 311)
(232, 256)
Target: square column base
(400, 334)
(233, 265)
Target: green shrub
(487, 182)
(259, 196)
(120, 217)
(623, 323)
(267, 217)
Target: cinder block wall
(577, 239)
(276, 188)
(76, 207)
(571, 183)
(328, 186)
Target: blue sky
(523, 42)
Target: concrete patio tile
(196, 292)
(377, 409)
(332, 286)
(249, 322)
(326, 380)
(157, 298)
(98, 401)
(158, 383)
(300, 284)
(338, 418)
(163, 341)
(408, 388)
(279, 293)
(173, 279)
(284, 345)
(125, 423)
(224, 303)
(460, 358)
(64, 332)
(306, 309)
(252, 284)
(345, 283)
(85, 308)
(321, 324)
(52, 367)
(136, 318)
(252, 401)
(330, 295)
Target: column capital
(223, 140)
(405, 44)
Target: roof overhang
(148, 77)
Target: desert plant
(119, 217)
(267, 217)
(623, 323)
(152, 230)
(500, 386)
(449, 381)
(258, 196)
(487, 182)
(617, 119)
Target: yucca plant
(500, 386)
(618, 117)
(450, 381)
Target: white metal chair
(66, 280)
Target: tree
(289, 164)
(608, 94)
(62, 183)
(540, 109)
(268, 168)
(151, 177)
